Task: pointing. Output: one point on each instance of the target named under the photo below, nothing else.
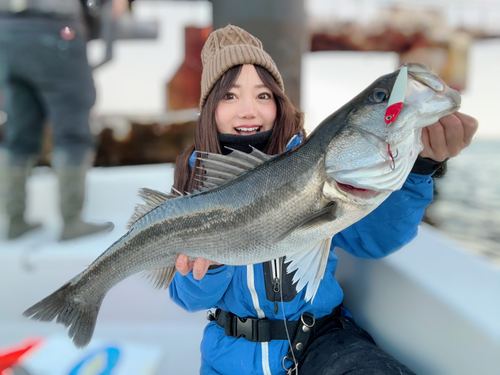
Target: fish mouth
(360, 195)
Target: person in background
(243, 104)
(44, 75)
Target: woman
(262, 326)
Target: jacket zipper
(276, 269)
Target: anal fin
(310, 265)
(161, 277)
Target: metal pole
(279, 24)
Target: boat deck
(432, 305)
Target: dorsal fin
(221, 175)
(217, 169)
(223, 166)
(214, 180)
(206, 184)
(261, 155)
(153, 199)
(177, 192)
(255, 158)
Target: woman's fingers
(454, 134)
(448, 137)
(470, 127)
(183, 265)
(436, 148)
(200, 268)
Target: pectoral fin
(310, 265)
(317, 219)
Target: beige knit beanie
(229, 47)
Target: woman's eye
(379, 95)
(229, 96)
(265, 96)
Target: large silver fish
(256, 208)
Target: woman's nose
(247, 109)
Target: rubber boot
(4, 164)
(15, 197)
(72, 198)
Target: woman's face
(248, 107)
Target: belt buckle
(244, 327)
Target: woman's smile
(248, 129)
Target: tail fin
(75, 313)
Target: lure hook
(392, 156)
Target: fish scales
(258, 215)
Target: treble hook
(392, 156)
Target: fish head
(375, 150)
(425, 99)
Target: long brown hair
(289, 121)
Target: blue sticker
(98, 362)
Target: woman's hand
(447, 137)
(199, 266)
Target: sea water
(467, 203)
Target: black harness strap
(265, 330)
(257, 330)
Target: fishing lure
(395, 105)
(397, 97)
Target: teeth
(248, 129)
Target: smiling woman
(242, 94)
(248, 108)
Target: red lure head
(392, 112)
(397, 97)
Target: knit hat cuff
(233, 55)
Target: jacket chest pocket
(278, 282)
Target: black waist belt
(264, 330)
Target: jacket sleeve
(391, 225)
(194, 295)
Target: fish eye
(379, 95)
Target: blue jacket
(247, 290)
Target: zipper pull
(276, 289)
(276, 285)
